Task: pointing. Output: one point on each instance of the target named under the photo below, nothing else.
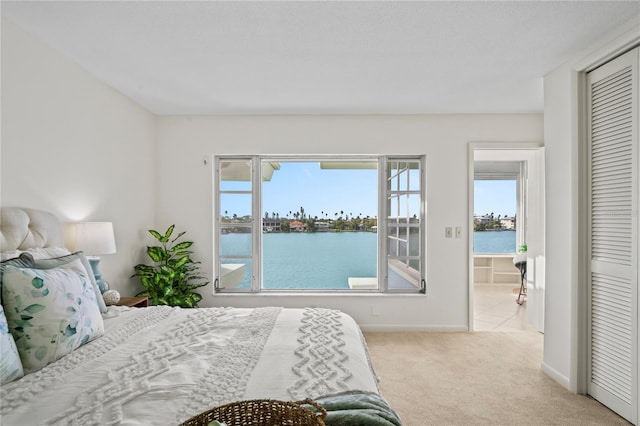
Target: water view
(326, 260)
(321, 260)
(494, 241)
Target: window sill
(318, 294)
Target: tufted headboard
(22, 229)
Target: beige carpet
(490, 378)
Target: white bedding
(163, 365)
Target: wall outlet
(458, 231)
(448, 232)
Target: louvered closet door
(613, 164)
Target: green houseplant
(173, 278)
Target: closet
(613, 234)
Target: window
(495, 220)
(312, 224)
(499, 200)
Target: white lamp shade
(93, 238)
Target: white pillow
(47, 252)
(37, 253)
(10, 365)
(6, 255)
(50, 312)
(63, 260)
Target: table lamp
(93, 239)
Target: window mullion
(217, 269)
(521, 206)
(256, 224)
(383, 212)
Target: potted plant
(521, 256)
(174, 277)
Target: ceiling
(323, 57)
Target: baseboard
(555, 375)
(389, 328)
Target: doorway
(506, 215)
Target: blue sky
(497, 196)
(304, 184)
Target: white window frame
(257, 162)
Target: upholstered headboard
(22, 229)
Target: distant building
(322, 226)
(489, 223)
(482, 220)
(271, 225)
(297, 226)
(508, 222)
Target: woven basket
(262, 412)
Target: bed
(157, 365)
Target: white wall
(75, 147)
(565, 340)
(185, 193)
(561, 209)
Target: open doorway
(506, 217)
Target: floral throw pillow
(10, 365)
(63, 260)
(50, 312)
(23, 260)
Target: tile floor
(495, 309)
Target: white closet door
(613, 167)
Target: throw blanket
(321, 368)
(358, 408)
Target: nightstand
(134, 302)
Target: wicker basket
(262, 412)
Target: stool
(522, 266)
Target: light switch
(448, 232)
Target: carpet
(482, 378)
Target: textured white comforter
(161, 365)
